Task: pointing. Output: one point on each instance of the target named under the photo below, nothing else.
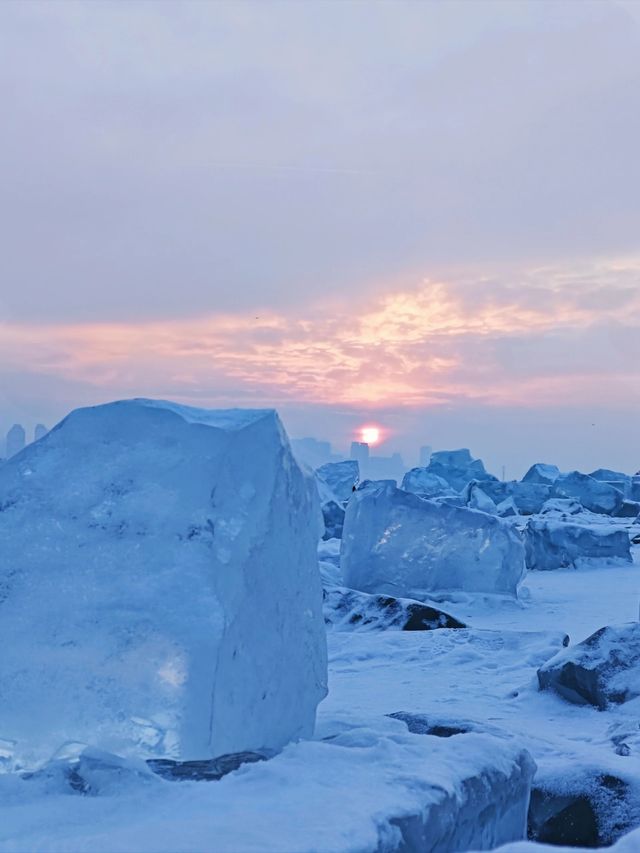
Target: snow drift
(365, 789)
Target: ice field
(179, 673)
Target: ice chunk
(629, 843)
(542, 473)
(457, 467)
(449, 500)
(399, 544)
(329, 574)
(421, 482)
(160, 585)
(629, 509)
(561, 507)
(530, 497)
(366, 789)
(329, 551)
(340, 477)
(587, 809)
(593, 495)
(475, 498)
(621, 481)
(603, 668)
(497, 490)
(351, 610)
(209, 770)
(332, 510)
(329, 562)
(507, 508)
(553, 544)
(368, 485)
(442, 725)
(333, 517)
(85, 770)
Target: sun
(370, 434)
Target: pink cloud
(474, 338)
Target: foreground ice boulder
(554, 544)
(603, 668)
(397, 543)
(160, 587)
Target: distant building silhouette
(313, 452)
(386, 467)
(360, 452)
(16, 440)
(39, 432)
(425, 455)
(377, 467)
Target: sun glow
(370, 435)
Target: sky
(424, 215)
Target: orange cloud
(433, 343)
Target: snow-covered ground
(337, 792)
(322, 796)
(576, 601)
(429, 741)
(488, 674)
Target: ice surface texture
(421, 482)
(397, 543)
(542, 473)
(159, 585)
(340, 477)
(593, 494)
(332, 510)
(475, 498)
(553, 544)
